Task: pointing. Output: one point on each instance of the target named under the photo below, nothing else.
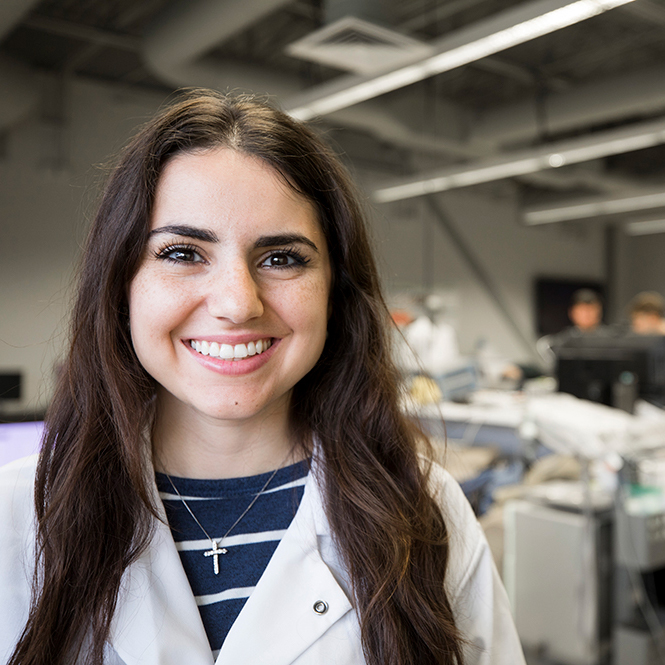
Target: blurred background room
(511, 154)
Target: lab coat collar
(157, 621)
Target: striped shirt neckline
(249, 547)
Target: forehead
(585, 305)
(221, 185)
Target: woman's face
(229, 308)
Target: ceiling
(556, 82)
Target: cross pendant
(214, 553)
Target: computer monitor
(613, 370)
(10, 385)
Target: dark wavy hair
(93, 487)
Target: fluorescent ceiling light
(645, 227)
(553, 155)
(507, 29)
(594, 208)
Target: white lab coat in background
(157, 621)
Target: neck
(190, 445)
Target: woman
(229, 334)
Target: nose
(233, 294)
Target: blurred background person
(646, 313)
(585, 312)
(586, 315)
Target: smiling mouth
(231, 351)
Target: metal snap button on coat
(320, 607)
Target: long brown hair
(93, 491)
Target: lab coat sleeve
(478, 598)
(17, 553)
(16, 550)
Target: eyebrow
(285, 239)
(187, 232)
(206, 235)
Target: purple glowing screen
(19, 440)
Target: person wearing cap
(646, 313)
(586, 314)
(586, 311)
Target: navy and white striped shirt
(217, 504)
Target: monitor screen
(19, 440)
(10, 385)
(613, 370)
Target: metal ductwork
(20, 92)
(175, 50)
(175, 47)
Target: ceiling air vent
(358, 46)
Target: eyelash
(300, 260)
(164, 252)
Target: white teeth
(229, 352)
(226, 352)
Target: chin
(238, 409)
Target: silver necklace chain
(216, 548)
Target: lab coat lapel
(157, 621)
(278, 622)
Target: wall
(48, 178)
(511, 255)
(644, 265)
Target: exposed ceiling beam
(520, 74)
(83, 32)
(487, 37)
(12, 13)
(651, 11)
(547, 156)
(603, 100)
(438, 12)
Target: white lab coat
(157, 621)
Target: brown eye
(180, 254)
(279, 260)
(285, 258)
